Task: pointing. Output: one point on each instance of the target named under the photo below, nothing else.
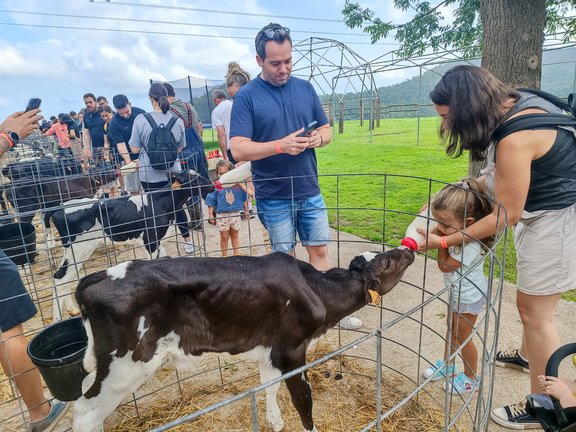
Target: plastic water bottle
(413, 238)
(234, 176)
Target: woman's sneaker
(510, 358)
(48, 423)
(439, 371)
(461, 384)
(515, 417)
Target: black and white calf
(269, 308)
(83, 224)
(42, 167)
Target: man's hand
(23, 123)
(293, 144)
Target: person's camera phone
(33, 103)
(309, 128)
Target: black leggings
(181, 219)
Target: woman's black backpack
(162, 148)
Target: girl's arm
(514, 156)
(446, 263)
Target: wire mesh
(402, 335)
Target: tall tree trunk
(513, 39)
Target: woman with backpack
(532, 173)
(158, 152)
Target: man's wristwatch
(13, 136)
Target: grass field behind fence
(395, 150)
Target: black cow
(83, 224)
(43, 167)
(138, 314)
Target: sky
(59, 50)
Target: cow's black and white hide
(140, 313)
(42, 167)
(84, 224)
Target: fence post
(377, 111)
(341, 117)
(361, 112)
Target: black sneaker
(510, 358)
(515, 417)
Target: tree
(508, 34)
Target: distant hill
(558, 77)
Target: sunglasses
(281, 31)
(271, 33)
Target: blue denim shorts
(284, 218)
(16, 306)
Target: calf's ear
(358, 264)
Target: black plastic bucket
(58, 351)
(18, 241)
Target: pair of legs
(308, 217)
(16, 364)
(562, 389)
(229, 227)
(181, 219)
(539, 334)
(16, 307)
(462, 328)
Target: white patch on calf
(118, 271)
(89, 361)
(141, 327)
(139, 201)
(268, 373)
(288, 303)
(78, 204)
(369, 256)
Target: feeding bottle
(413, 238)
(234, 176)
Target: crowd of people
(262, 120)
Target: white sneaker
(189, 248)
(350, 323)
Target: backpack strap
(553, 99)
(189, 115)
(171, 123)
(532, 122)
(177, 114)
(150, 120)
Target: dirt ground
(406, 336)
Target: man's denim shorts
(283, 218)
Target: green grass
(373, 189)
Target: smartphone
(309, 128)
(33, 103)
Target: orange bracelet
(443, 242)
(7, 137)
(278, 148)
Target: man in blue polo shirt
(93, 128)
(120, 130)
(267, 116)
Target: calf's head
(382, 271)
(195, 182)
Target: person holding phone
(268, 115)
(16, 307)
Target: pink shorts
(225, 221)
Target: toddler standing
(456, 207)
(227, 203)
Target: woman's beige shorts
(546, 251)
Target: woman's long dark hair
(476, 102)
(159, 94)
